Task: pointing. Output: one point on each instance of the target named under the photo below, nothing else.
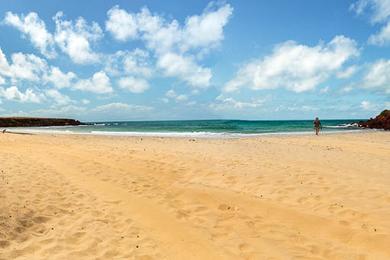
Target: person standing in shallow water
(317, 125)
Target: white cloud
(159, 35)
(59, 79)
(136, 62)
(366, 105)
(380, 9)
(382, 37)
(71, 111)
(14, 94)
(75, 38)
(58, 97)
(27, 66)
(347, 73)
(35, 28)
(226, 103)
(122, 107)
(2, 80)
(206, 30)
(134, 85)
(174, 65)
(199, 31)
(304, 108)
(22, 67)
(173, 44)
(295, 67)
(347, 89)
(121, 24)
(324, 90)
(173, 95)
(99, 83)
(377, 76)
(85, 101)
(4, 66)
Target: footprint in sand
(225, 207)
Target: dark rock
(382, 121)
(35, 121)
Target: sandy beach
(271, 197)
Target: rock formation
(34, 121)
(382, 121)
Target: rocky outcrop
(382, 121)
(34, 121)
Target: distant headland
(37, 121)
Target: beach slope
(275, 197)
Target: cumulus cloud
(175, 65)
(121, 24)
(58, 97)
(295, 67)
(206, 30)
(171, 94)
(22, 66)
(377, 76)
(379, 11)
(183, 44)
(173, 44)
(14, 94)
(134, 85)
(366, 105)
(199, 31)
(226, 103)
(382, 37)
(136, 63)
(29, 67)
(99, 83)
(75, 38)
(347, 73)
(58, 78)
(35, 29)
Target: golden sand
(285, 197)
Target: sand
(275, 197)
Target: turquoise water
(202, 127)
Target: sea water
(201, 128)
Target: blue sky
(157, 60)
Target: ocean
(199, 128)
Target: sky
(194, 59)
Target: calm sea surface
(200, 127)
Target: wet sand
(275, 197)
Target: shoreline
(205, 135)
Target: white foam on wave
(52, 130)
(345, 126)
